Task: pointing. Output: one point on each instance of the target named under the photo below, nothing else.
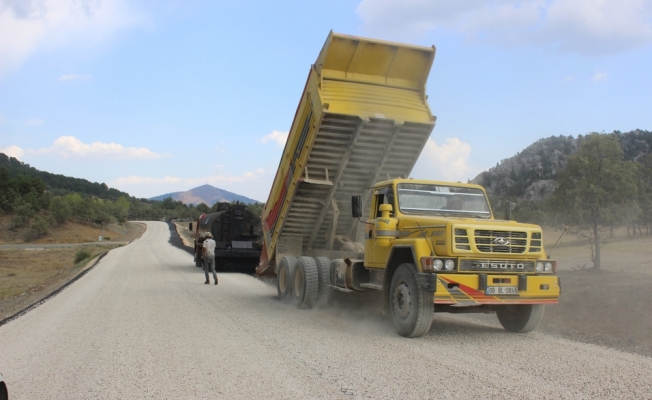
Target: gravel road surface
(142, 324)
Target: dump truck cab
(448, 229)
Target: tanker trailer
(237, 236)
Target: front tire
(520, 318)
(284, 275)
(411, 307)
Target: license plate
(502, 290)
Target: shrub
(41, 225)
(81, 255)
(17, 222)
(39, 229)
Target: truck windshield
(442, 200)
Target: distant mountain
(206, 194)
(532, 173)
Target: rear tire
(305, 285)
(411, 307)
(284, 275)
(325, 292)
(520, 318)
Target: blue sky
(159, 96)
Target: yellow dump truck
(429, 246)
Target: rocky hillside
(531, 174)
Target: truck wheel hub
(402, 300)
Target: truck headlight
(540, 266)
(449, 265)
(547, 267)
(437, 264)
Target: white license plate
(502, 290)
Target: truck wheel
(411, 307)
(520, 318)
(325, 292)
(305, 285)
(283, 278)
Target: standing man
(208, 252)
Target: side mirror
(190, 227)
(356, 206)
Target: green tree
(203, 208)
(645, 191)
(121, 209)
(60, 210)
(24, 212)
(596, 190)
(256, 208)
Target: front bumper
(471, 289)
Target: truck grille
(500, 241)
(510, 266)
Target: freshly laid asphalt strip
(175, 239)
(142, 324)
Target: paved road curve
(142, 324)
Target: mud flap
(427, 282)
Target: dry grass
(23, 271)
(609, 307)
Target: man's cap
(209, 235)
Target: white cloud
(448, 161)
(581, 26)
(75, 77)
(13, 151)
(29, 26)
(599, 76)
(277, 137)
(70, 146)
(570, 78)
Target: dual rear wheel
(304, 281)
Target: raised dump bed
(362, 117)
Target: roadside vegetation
(38, 201)
(596, 190)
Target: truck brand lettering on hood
(502, 265)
